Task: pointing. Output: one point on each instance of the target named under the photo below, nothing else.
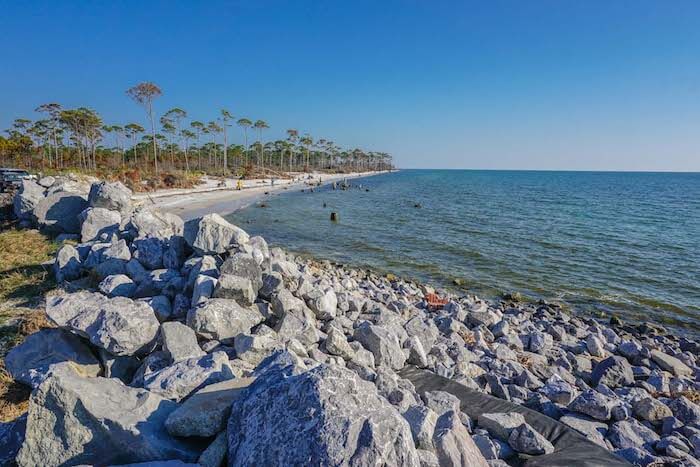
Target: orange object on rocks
(435, 302)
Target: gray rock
(441, 402)
(593, 404)
(222, 319)
(300, 325)
(109, 267)
(119, 325)
(161, 306)
(528, 441)
(179, 341)
(671, 445)
(422, 421)
(453, 444)
(181, 378)
(337, 344)
(685, 410)
(324, 304)
(174, 254)
(539, 342)
(255, 348)
(111, 195)
(46, 181)
(637, 456)
(118, 285)
(72, 184)
(236, 288)
(427, 458)
(595, 346)
(351, 423)
(670, 364)
(594, 430)
(669, 425)
(32, 361)
(243, 265)
(153, 362)
(629, 349)
(215, 454)
(288, 269)
(11, 439)
(151, 222)
(168, 463)
(68, 417)
(285, 302)
(500, 425)
(203, 289)
(149, 252)
(558, 390)
(136, 271)
(272, 284)
(631, 434)
(116, 250)
(416, 352)
(651, 410)
(122, 368)
(383, 344)
(99, 224)
(168, 282)
(212, 234)
(67, 265)
(486, 445)
(613, 372)
(60, 212)
(26, 200)
(207, 411)
(196, 266)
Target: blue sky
(601, 85)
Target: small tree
(245, 124)
(225, 118)
(144, 95)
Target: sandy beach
(211, 197)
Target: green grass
(24, 280)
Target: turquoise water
(624, 243)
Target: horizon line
(556, 170)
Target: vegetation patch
(24, 281)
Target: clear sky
(560, 84)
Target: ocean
(601, 243)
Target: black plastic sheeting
(572, 449)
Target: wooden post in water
(334, 216)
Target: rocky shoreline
(195, 343)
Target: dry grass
(14, 397)
(24, 280)
(693, 396)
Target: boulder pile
(196, 343)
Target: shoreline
(162, 307)
(190, 204)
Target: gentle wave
(623, 243)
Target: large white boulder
(119, 325)
(33, 360)
(324, 416)
(212, 234)
(98, 421)
(60, 212)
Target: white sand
(209, 197)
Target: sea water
(600, 242)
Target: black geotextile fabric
(572, 449)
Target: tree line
(79, 139)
